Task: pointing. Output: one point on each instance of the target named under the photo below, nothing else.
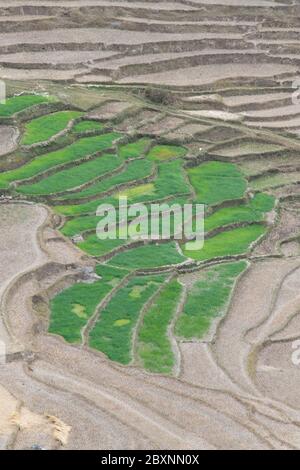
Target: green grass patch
(87, 126)
(72, 177)
(148, 256)
(166, 152)
(114, 330)
(96, 247)
(72, 308)
(135, 170)
(232, 242)
(169, 182)
(137, 191)
(251, 212)
(134, 149)
(215, 182)
(79, 149)
(79, 224)
(208, 299)
(154, 346)
(15, 104)
(44, 127)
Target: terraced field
(165, 102)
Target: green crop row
(148, 256)
(86, 126)
(72, 177)
(113, 333)
(215, 182)
(154, 346)
(169, 182)
(72, 308)
(79, 149)
(134, 149)
(253, 211)
(229, 243)
(208, 299)
(135, 170)
(15, 104)
(44, 127)
(166, 152)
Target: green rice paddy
(208, 299)
(81, 148)
(73, 177)
(44, 127)
(215, 182)
(166, 152)
(148, 256)
(135, 326)
(154, 345)
(229, 243)
(15, 104)
(113, 333)
(72, 308)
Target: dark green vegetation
(44, 127)
(16, 104)
(208, 299)
(87, 126)
(84, 147)
(72, 177)
(148, 256)
(154, 344)
(129, 313)
(215, 182)
(113, 332)
(230, 243)
(72, 308)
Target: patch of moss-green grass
(79, 224)
(229, 243)
(87, 126)
(113, 333)
(166, 152)
(135, 170)
(134, 149)
(15, 104)
(154, 345)
(44, 127)
(215, 182)
(149, 256)
(72, 308)
(170, 182)
(72, 177)
(208, 299)
(79, 149)
(96, 247)
(253, 211)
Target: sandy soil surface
(8, 138)
(204, 74)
